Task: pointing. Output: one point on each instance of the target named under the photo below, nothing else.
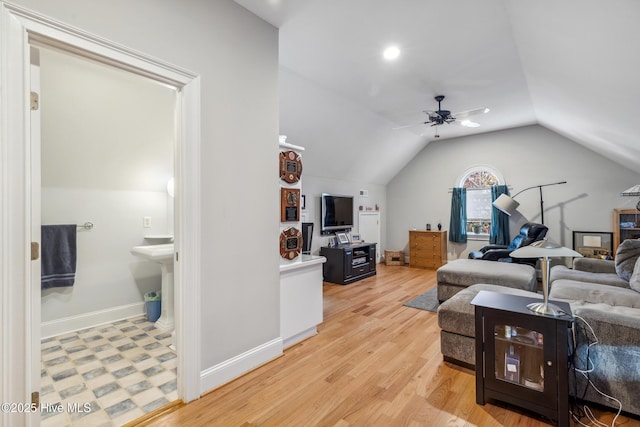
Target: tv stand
(348, 263)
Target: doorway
(107, 139)
(21, 348)
(369, 229)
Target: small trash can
(153, 305)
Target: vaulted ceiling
(572, 66)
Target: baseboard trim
(233, 368)
(295, 339)
(65, 325)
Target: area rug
(427, 301)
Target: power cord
(590, 366)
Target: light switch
(146, 222)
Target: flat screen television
(336, 213)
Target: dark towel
(58, 254)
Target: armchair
(529, 233)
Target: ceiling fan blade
(408, 126)
(431, 113)
(475, 111)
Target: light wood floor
(373, 363)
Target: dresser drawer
(426, 249)
(427, 253)
(426, 239)
(422, 259)
(424, 263)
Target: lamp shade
(506, 204)
(633, 191)
(544, 249)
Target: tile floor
(107, 375)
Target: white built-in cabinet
(300, 285)
(300, 299)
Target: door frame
(19, 29)
(372, 214)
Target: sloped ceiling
(569, 65)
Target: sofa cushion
(458, 348)
(626, 257)
(560, 272)
(457, 315)
(467, 272)
(594, 293)
(613, 325)
(616, 358)
(595, 265)
(634, 282)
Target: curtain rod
(476, 189)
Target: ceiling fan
(440, 116)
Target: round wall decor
(290, 166)
(290, 243)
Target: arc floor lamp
(508, 205)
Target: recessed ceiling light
(392, 52)
(486, 110)
(469, 124)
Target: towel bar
(87, 225)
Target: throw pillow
(634, 282)
(626, 256)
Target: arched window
(478, 182)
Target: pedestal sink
(163, 255)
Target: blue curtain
(458, 223)
(499, 220)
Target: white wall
(329, 125)
(107, 154)
(107, 274)
(526, 156)
(236, 55)
(314, 186)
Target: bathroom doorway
(107, 156)
(21, 218)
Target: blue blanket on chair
(58, 256)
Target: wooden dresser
(427, 249)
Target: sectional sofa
(607, 311)
(606, 333)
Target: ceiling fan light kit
(468, 123)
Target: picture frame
(289, 204)
(355, 237)
(343, 239)
(593, 244)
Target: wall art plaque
(290, 166)
(289, 204)
(290, 243)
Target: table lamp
(544, 249)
